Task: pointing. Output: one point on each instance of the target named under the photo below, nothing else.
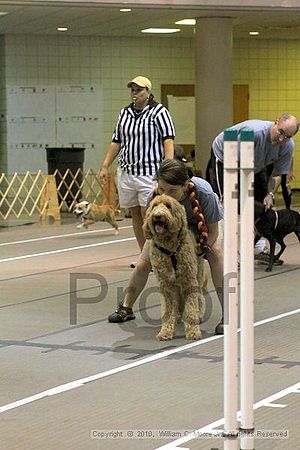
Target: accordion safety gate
(39, 195)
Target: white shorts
(133, 190)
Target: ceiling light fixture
(62, 29)
(161, 30)
(2, 13)
(125, 10)
(254, 33)
(186, 22)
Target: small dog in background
(274, 225)
(89, 213)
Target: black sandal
(122, 314)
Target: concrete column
(213, 83)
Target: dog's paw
(164, 336)
(80, 225)
(116, 232)
(193, 333)
(268, 269)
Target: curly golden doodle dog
(89, 213)
(174, 261)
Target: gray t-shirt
(209, 203)
(264, 152)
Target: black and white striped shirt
(141, 137)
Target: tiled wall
(109, 62)
(272, 71)
(271, 68)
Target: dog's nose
(157, 216)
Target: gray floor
(70, 380)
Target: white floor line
(155, 357)
(275, 405)
(280, 316)
(58, 236)
(210, 427)
(98, 376)
(63, 250)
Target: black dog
(274, 226)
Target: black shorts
(214, 176)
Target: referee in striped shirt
(143, 137)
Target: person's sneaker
(263, 258)
(122, 314)
(220, 327)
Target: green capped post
(230, 134)
(247, 135)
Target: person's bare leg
(215, 260)
(136, 283)
(138, 215)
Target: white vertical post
(247, 288)
(230, 293)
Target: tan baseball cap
(141, 81)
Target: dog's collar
(88, 208)
(169, 253)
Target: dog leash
(169, 253)
(276, 218)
